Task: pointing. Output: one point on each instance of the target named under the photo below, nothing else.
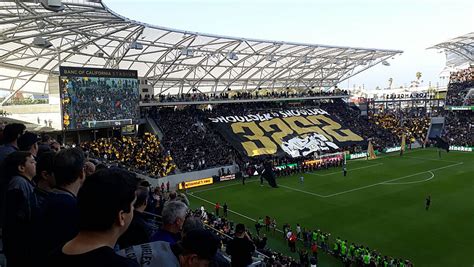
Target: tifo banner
(461, 148)
(295, 132)
(196, 183)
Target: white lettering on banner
(227, 177)
(460, 148)
(269, 116)
(358, 155)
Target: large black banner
(293, 132)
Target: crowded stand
(459, 128)
(194, 144)
(460, 84)
(413, 123)
(99, 100)
(143, 155)
(237, 95)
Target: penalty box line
(371, 185)
(359, 168)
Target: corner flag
(370, 151)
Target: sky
(408, 25)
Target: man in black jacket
(241, 247)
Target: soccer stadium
(123, 143)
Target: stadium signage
(393, 149)
(227, 177)
(461, 148)
(309, 162)
(358, 155)
(460, 108)
(281, 167)
(293, 132)
(196, 183)
(94, 72)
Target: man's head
(239, 230)
(142, 198)
(174, 214)
(105, 201)
(199, 248)
(20, 163)
(89, 168)
(69, 166)
(44, 171)
(28, 142)
(12, 131)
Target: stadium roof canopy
(459, 51)
(36, 38)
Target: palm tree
(418, 76)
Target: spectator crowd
(242, 95)
(461, 88)
(144, 155)
(88, 100)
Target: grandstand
(197, 119)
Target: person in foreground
(198, 248)
(105, 204)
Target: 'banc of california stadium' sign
(295, 132)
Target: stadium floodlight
(99, 54)
(385, 63)
(232, 56)
(187, 52)
(271, 58)
(41, 42)
(136, 46)
(53, 5)
(305, 60)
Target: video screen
(98, 98)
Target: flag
(403, 143)
(370, 151)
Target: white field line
(348, 170)
(240, 214)
(302, 191)
(223, 186)
(442, 160)
(392, 180)
(414, 182)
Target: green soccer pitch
(380, 204)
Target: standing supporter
(240, 248)
(173, 216)
(198, 248)
(105, 204)
(44, 179)
(218, 206)
(139, 231)
(59, 221)
(21, 168)
(29, 142)
(225, 209)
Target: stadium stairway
(154, 128)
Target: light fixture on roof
(385, 63)
(41, 42)
(187, 52)
(271, 58)
(305, 60)
(99, 54)
(53, 5)
(136, 46)
(232, 56)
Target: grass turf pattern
(379, 204)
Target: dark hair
(200, 242)
(45, 138)
(239, 228)
(102, 196)
(14, 160)
(142, 196)
(68, 164)
(12, 131)
(45, 163)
